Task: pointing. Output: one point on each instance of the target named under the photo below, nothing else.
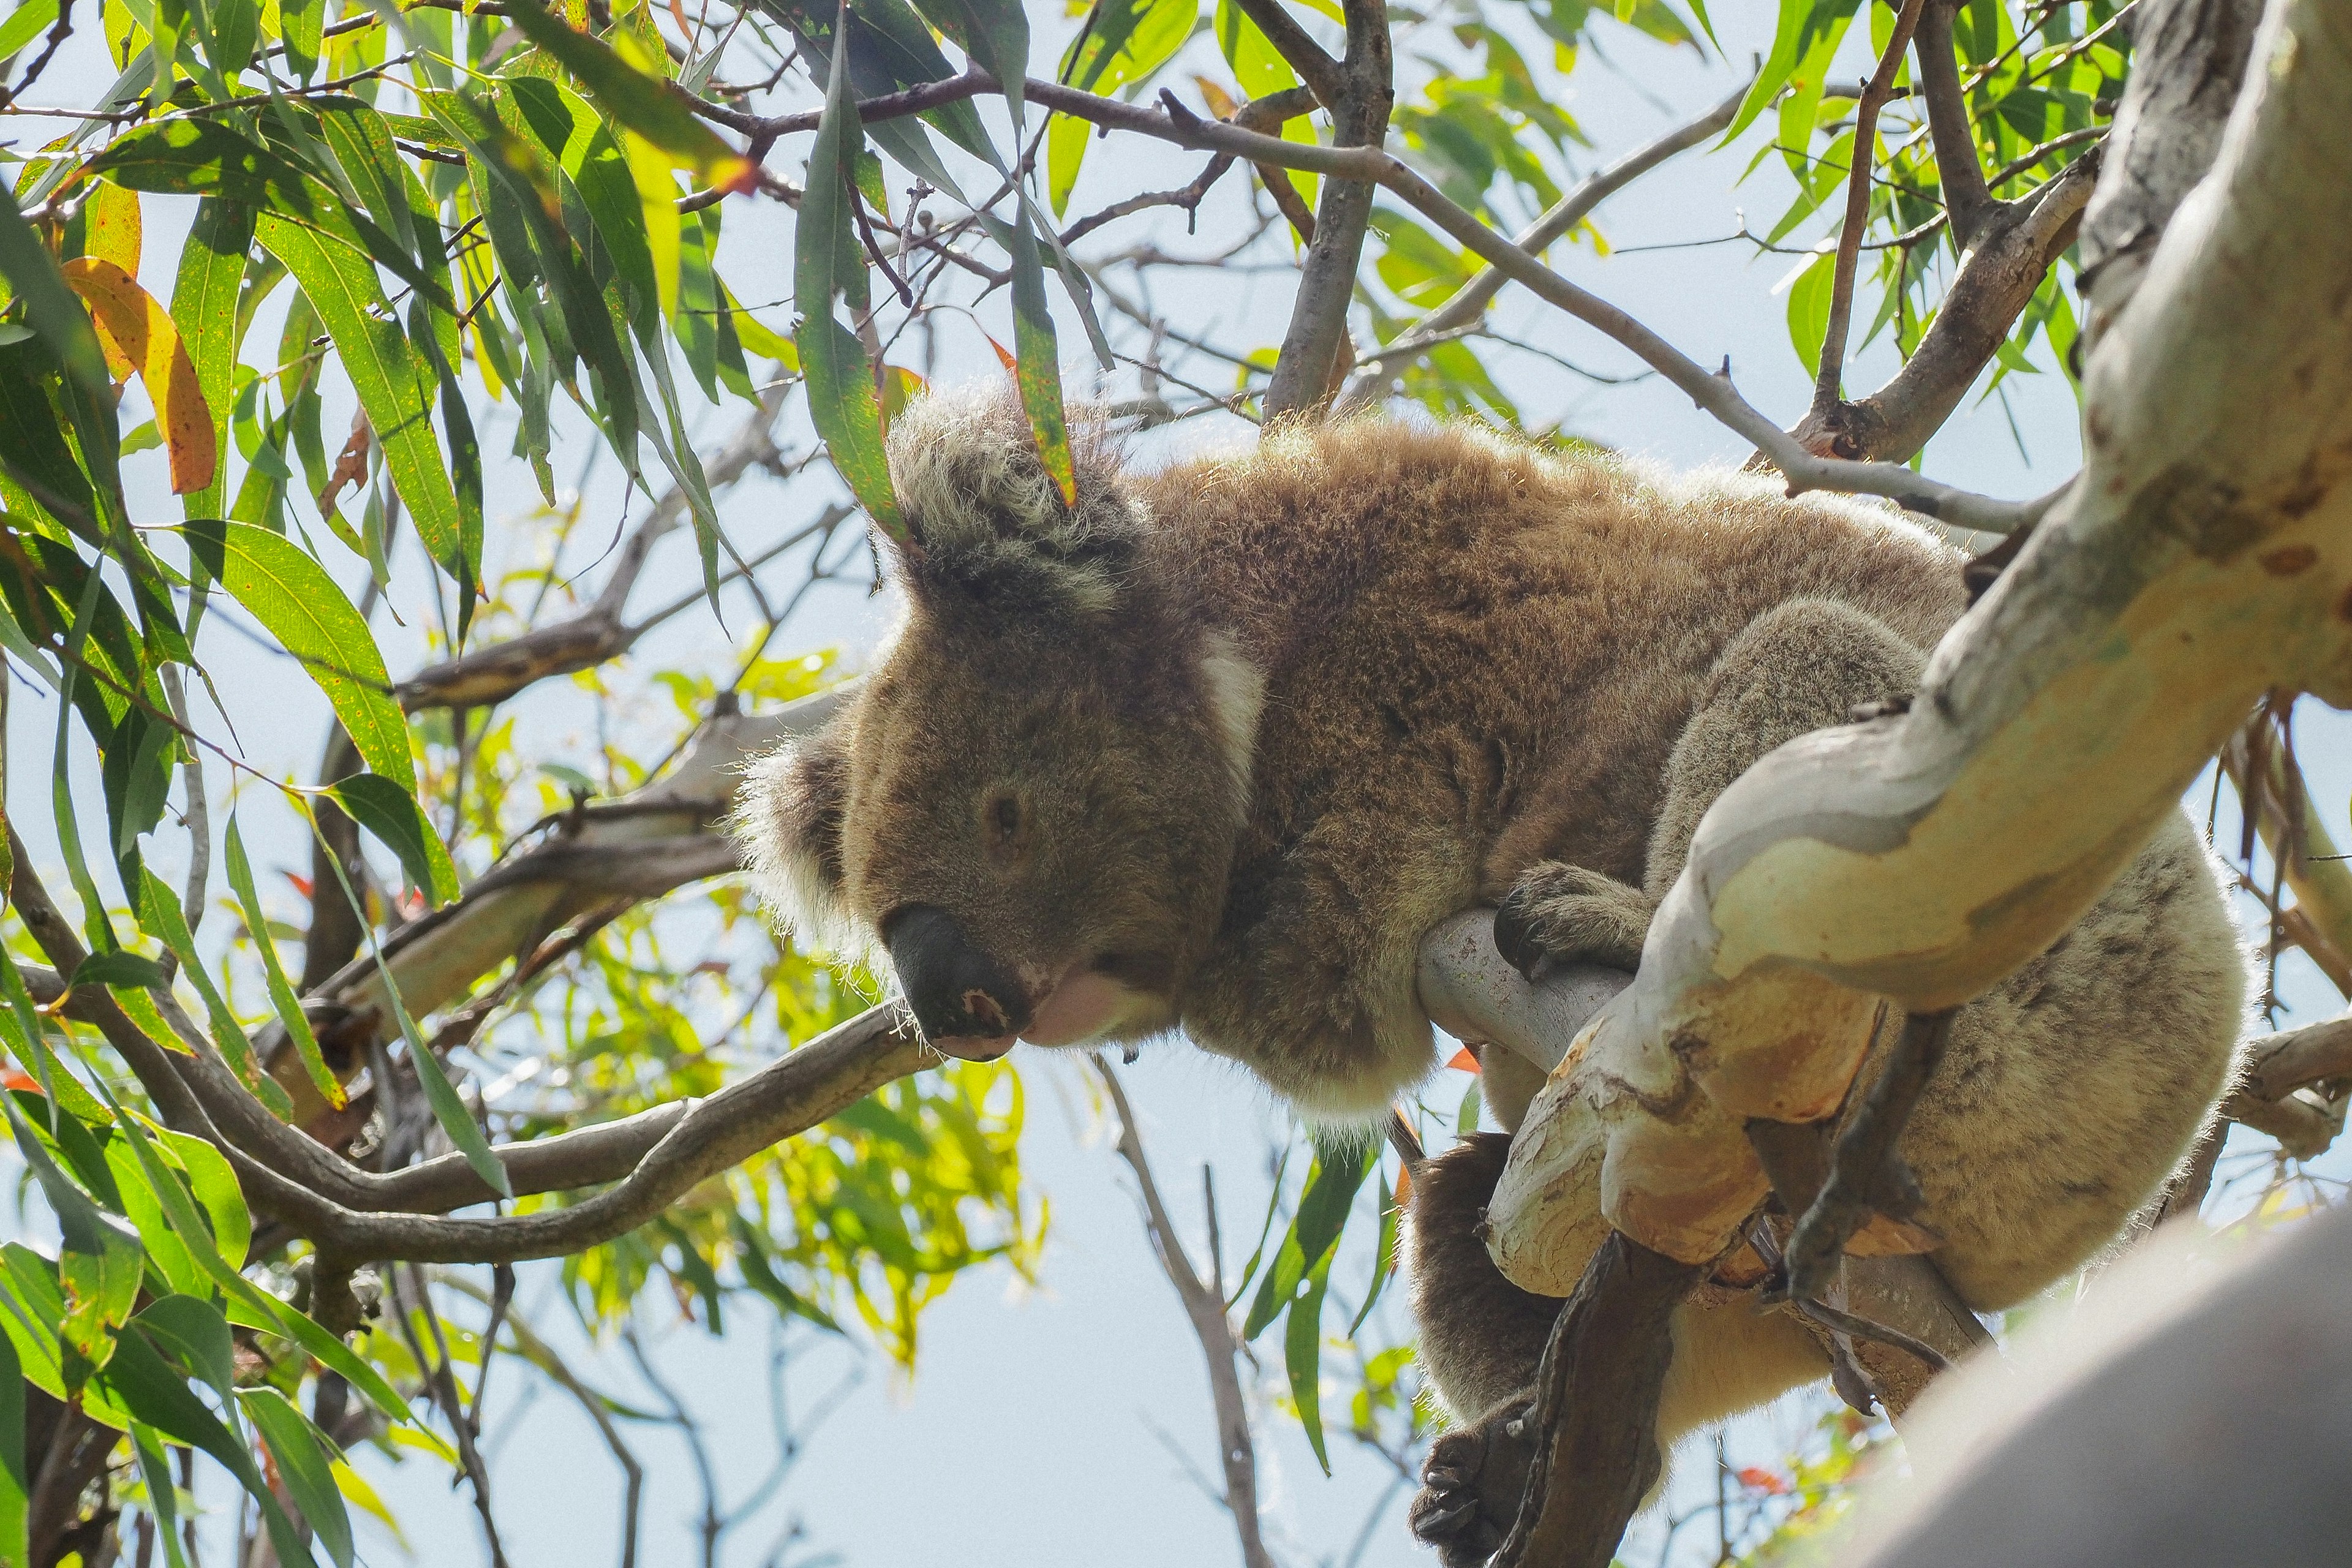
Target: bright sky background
(1057, 1424)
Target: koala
(1212, 748)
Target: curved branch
(636, 847)
(789, 1096)
(2202, 559)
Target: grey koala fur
(1213, 747)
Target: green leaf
(1808, 310)
(1302, 1357)
(281, 992)
(15, 1479)
(116, 969)
(1036, 363)
(1331, 1184)
(163, 1499)
(305, 1466)
(51, 307)
(841, 394)
(1383, 1256)
(300, 605)
(395, 385)
(160, 917)
(197, 1335)
(151, 1391)
(214, 1183)
(258, 1308)
(25, 23)
(1797, 39)
(393, 815)
(658, 110)
(448, 1107)
(299, 27)
(1126, 41)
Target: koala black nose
(959, 993)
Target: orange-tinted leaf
(1462, 1062)
(1221, 102)
(113, 229)
(899, 387)
(137, 333)
(1764, 1480)
(1404, 1185)
(351, 465)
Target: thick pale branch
(2187, 58)
(2203, 558)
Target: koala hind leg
(1801, 666)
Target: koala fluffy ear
(789, 827)
(986, 520)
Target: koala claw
(1559, 913)
(1471, 1484)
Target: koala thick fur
(1215, 746)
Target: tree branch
(1204, 1305)
(2200, 562)
(813, 1083)
(1831, 373)
(660, 838)
(1327, 286)
(1966, 197)
(1468, 304)
(1596, 1416)
(1326, 78)
(2188, 57)
(2020, 242)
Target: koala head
(1029, 804)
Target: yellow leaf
(111, 227)
(137, 333)
(356, 1489)
(657, 192)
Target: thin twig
(1831, 373)
(1204, 1305)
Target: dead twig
(1204, 1305)
(1866, 1174)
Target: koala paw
(1563, 914)
(1471, 1483)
